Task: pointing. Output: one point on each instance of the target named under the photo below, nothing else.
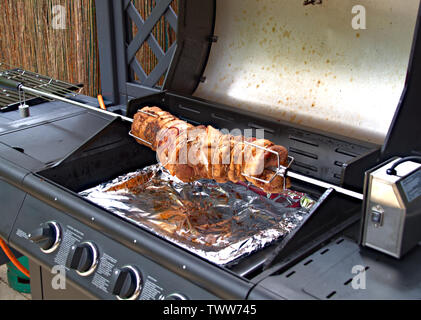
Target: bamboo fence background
(28, 40)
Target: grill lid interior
(308, 65)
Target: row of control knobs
(126, 282)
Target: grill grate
(10, 100)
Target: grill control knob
(83, 258)
(48, 237)
(126, 283)
(176, 296)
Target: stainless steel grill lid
(308, 65)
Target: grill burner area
(112, 153)
(219, 222)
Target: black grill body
(41, 183)
(47, 159)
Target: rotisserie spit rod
(261, 162)
(17, 86)
(280, 170)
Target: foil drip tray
(219, 222)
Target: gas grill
(236, 65)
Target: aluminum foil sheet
(219, 222)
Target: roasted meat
(199, 152)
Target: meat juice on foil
(219, 222)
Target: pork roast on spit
(202, 152)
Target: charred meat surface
(198, 152)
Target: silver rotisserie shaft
(288, 173)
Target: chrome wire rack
(11, 99)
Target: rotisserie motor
(198, 152)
